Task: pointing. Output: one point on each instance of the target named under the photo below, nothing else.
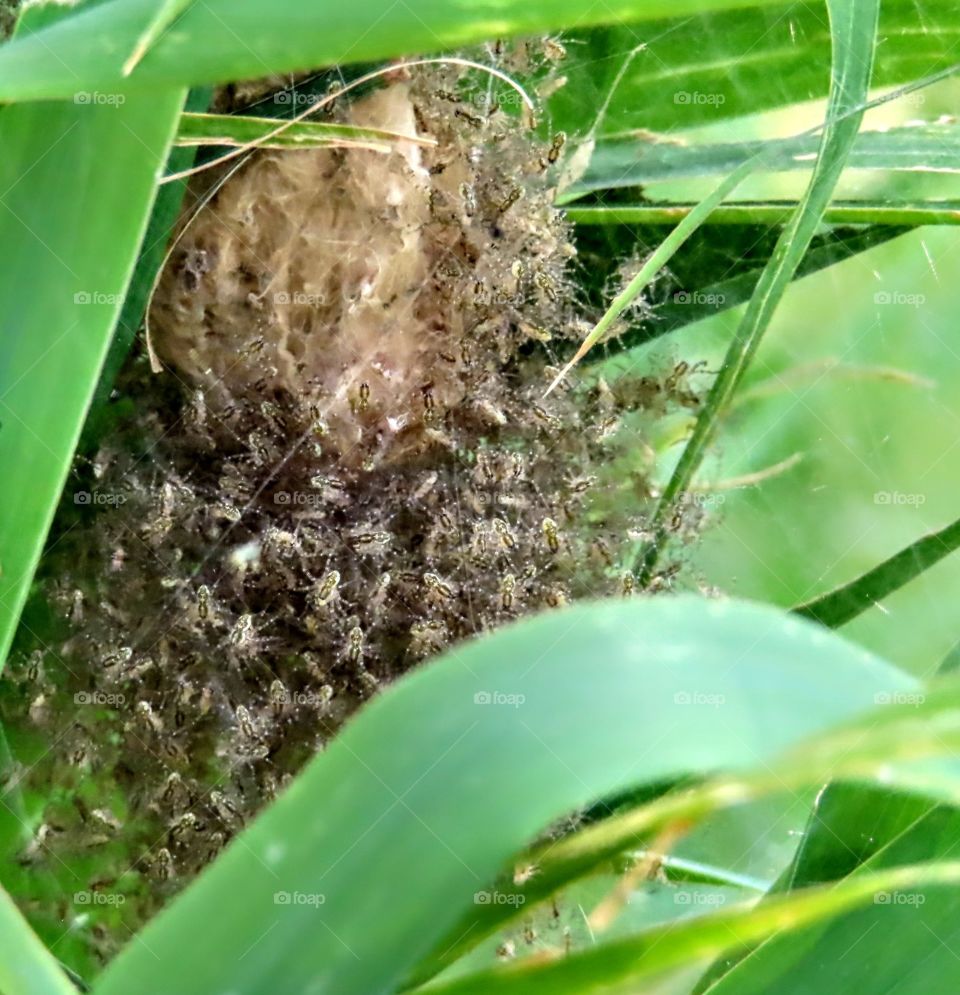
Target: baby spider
(326, 590)
(551, 534)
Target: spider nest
(347, 466)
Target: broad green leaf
(153, 249)
(622, 965)
(229, 39)
(703, 59)
(853, 31)
(76, 183)
(837, 607)
(354, 874)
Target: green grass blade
(715, 295)
(867, 212)
(76, 183)
(837, 607)
(854, 32)
(388, 836)
(697, 216)
(950, 664)
(639, 959)
(26, 966)
(618, 163)
(239, 129)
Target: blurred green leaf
(26, 965)
(417, 805)
(224, 40)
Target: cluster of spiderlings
(348, 465)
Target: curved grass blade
(619, 163)
(837, 607)
(357, 870)
(714, 297)
(697, 216)
(642, 957)
(853, 29)
(866, 212)
(239, 129)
